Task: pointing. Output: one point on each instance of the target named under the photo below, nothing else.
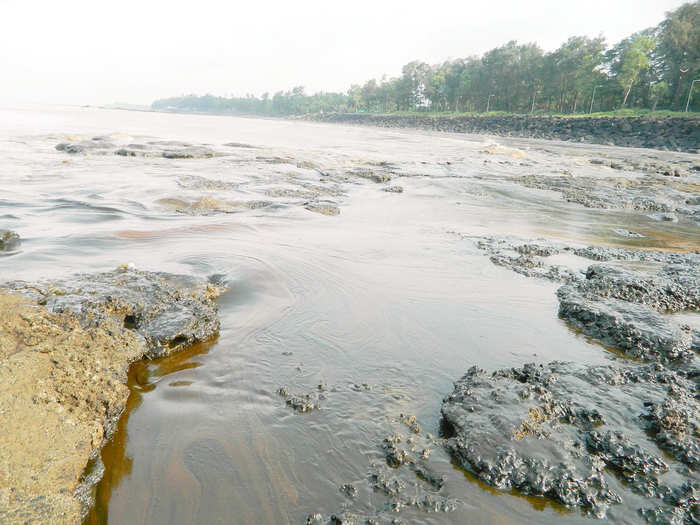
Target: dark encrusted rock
(85, 146)
(569, 431)
(169, 311)
(9, 241)
(528, 258)
(651, 195)
(378, 176)
(675, 424)
(606, 253)
(323, 207)
(618, 307)
(306, 402)
(685, 506)
(532, 266)
(240, 145)
(164, 149)
(673, 288)
(192, 152)
(636, 330)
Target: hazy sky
(92, 52)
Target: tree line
(651, 69)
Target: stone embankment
(670, 133)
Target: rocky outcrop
(620, 308)
(405, 480)
(304, 402)
(9, 241)
(579, 434)
(63, 391)
(582, 435)
(673, 288)
(634, 329)
(617, 307)
(324, 207)
(159, 148)
(169, 311)
(65, 346)
(528, 258)
(658, 197)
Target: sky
(135, 51)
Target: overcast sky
(94, 52)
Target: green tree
(629, 59)
(679, 50)
(658, 91)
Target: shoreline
(665, 133)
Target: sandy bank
(63, 389)
(65, 347)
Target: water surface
(386, 303)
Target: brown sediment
(155, 234)
(533, 424)
(497, 149)
(116, 462)
(671, 242)
(63, 391)
(654, 241)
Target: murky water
(383, 303)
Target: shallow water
(390, 293)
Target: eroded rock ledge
(621, 307)
(65, 347)
(580, 435)
(594, 436)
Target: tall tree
(629, 59)
(679, 50)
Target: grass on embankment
(631, 112)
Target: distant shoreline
(665, 133)
(655, 131)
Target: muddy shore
(673, 133)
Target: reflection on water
(142, 377)
(382, 303)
